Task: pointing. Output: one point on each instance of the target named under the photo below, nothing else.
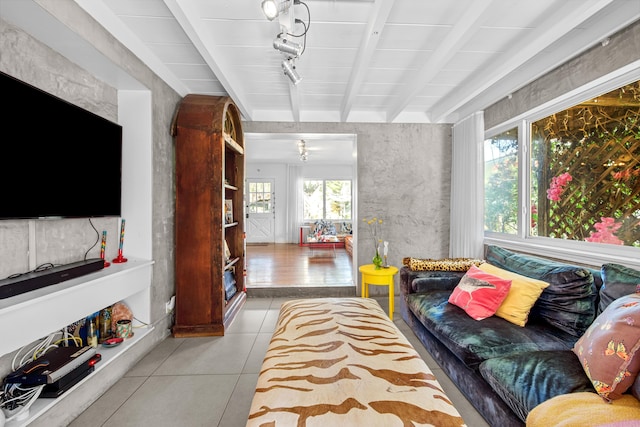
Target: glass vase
(377, 260)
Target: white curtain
(294, 207)
(467, 188)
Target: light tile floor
(210, 381)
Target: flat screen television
(58, 160)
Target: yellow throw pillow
(584, 408)
(523, 294)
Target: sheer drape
(467, 188)
(294, 208)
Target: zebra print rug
(342, 362)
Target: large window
(501, 182)
(327, 199)
(581, 174)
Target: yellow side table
(384, 276)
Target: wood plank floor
(280, 265)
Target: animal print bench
(342, 362)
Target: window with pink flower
(585, 174)
(582, 177)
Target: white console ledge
(34, 315)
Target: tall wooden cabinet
(209, 153)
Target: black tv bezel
(87, 198)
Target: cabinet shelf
(232, 263)
(233, 145)
(230, 187)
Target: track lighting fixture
(282, 43)
(273, 8)
(289, 69)
(288, 47)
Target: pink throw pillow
(480, 294)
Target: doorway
(260, 210)
(275, 157)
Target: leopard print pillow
(445, 264)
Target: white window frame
(324, 201)
(587, 253)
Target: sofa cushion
(472, 341)
(609, 349)
(426, 281)
(445, 264)
(523, 294)
(525, 380)
(617, 281)
(635, 388)
(480, 294)
(585, 409)
(568, 303)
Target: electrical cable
(306, 28)
(97, 239)
(68, 337)
(143, 323)
(25, 397)
(41, 267)
(15, 397)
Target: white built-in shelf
(42, 405)
(38, 313)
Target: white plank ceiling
(381, 61)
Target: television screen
(59, 160)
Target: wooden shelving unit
(209, 171)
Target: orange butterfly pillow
(608, 350)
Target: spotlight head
(284, 46)
(289, 69)
(273, 8)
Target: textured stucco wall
(56, 241)
(623, 49)
(403, 177)
(62, 241)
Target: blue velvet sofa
(503, 369)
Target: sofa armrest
(423, 281)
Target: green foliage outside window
(327, 199)
(501, 183)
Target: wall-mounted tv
(58, 160)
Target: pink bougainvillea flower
(626, 174)
(605, 230)
(557, 187)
